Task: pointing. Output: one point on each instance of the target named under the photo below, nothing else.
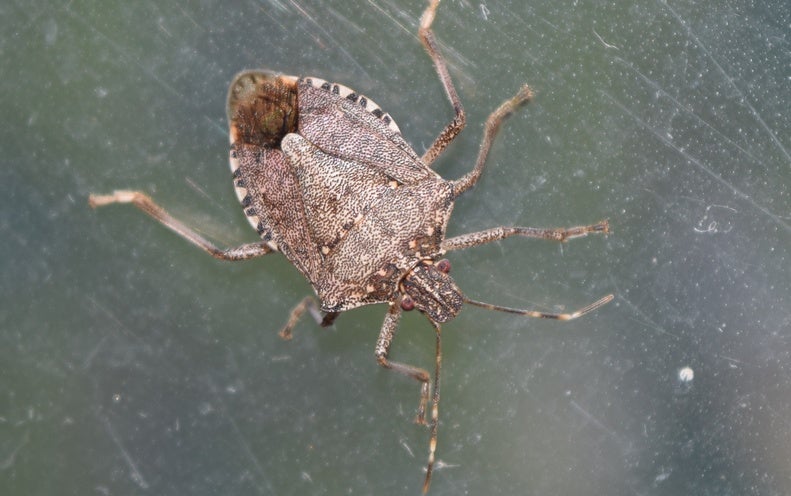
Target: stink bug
(325, 177)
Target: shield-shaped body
(326, 178)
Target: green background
(133, 363)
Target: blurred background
(134, 363)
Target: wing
(262, 109)
(272, 199)
(347, 125)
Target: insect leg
(459, 120)
(497, 233)
(147, 205)
(309, 304)
(382, 350)
(490, 130)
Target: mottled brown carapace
(325, 177)
(344, 197)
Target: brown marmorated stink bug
(326, 178)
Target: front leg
(386, 334)
(557, 234)
(147, 205)
(383, 350)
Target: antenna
(543, 315)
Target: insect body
(338, 191)
(325, 177)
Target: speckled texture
(335, 188)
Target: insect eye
(407, 303)
(443, 265)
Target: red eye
(407, 303)
(444, 265)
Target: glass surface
(133, 363)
